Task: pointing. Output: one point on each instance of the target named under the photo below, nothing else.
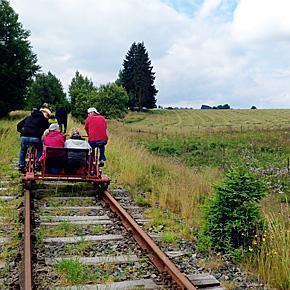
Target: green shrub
(112, 101)
(232, 217)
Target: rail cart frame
(88, 172)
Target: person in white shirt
(76, 141)
(76, 159)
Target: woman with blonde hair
(76, 141)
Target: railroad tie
(57, 198)
(7, 197)
(60, 183)
(204, 281)
(122, 198)
(211, 288)
(88, 222)
(142, 221)
(175, 254)
(73, 218)
(2, 264)
(121, 259)
(70, 208)
(132, 207)
(133, 284)
(3, 240)
(72, 240)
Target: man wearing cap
(31, 129)
(96, 128)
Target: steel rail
(169, 271)
(27, 243)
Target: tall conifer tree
(138, 78)
(17, 61)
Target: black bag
(76, 158)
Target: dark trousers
(25, 142)
(101, 145)
(62, 126)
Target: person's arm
(88, 145)
(45, 133)
(66, 143)
(43, 127)
(107, 131)
(87, 126)
(20, 125)
(44, 140)
(47, 124)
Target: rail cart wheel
(101, 187)
(29, 184)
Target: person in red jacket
(54, 138)
(96, 128)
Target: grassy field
(9, 215)
(169, 161)
(174, 157)
(183, 122)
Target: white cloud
(208, 7)
(257, 20)
(203, 56)
(96, 34)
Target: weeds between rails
(68, 271)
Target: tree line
(24, 86)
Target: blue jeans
(24, 143)
(101, 146)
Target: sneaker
(102, 163)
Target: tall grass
(9, 148)
(273, 260)
(173, 186)
(168, 184)
(9, 141)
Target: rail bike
(55, 166)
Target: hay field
(203, 144)
(194, 121)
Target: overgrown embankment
(169, 182)
(10, 201)
(182, 177)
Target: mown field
(207, 121)
(170, 160)
(175, 157)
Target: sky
(202, 51)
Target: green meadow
(170, 160)
(174, 157)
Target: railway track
(75, 239)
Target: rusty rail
(169, 271)
(27, 243)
